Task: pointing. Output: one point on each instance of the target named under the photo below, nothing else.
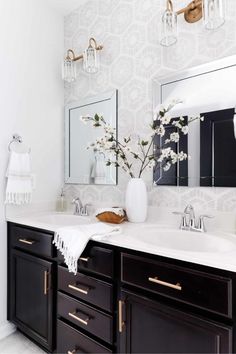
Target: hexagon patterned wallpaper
(131, 59)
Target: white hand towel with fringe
(19, 179)
(72, 240)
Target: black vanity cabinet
(151, 327)
(120, 301)
(151, 315)
(86, 304)
(31, 283)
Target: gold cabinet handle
(84, 259)
(73, 315)
(46, 274)
(76, 288)
(78, 350)
(169, 285)
(121, 322)
(28, 242)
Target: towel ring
(16, 139)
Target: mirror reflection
(211, 143)
(207, 91)
(83, 165)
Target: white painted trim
(199, 70)
(6, 329)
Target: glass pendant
(91, 60)
(214, 13)
(69, 68)
(169, 26)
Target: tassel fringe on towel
(72, 240)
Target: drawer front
(70, 340)
(85, 317)
(86, 288)
(97, 260)
(207, 291)
(32, 240)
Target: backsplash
(131, 59)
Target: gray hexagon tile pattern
(131, 59)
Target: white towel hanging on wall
(19, 179)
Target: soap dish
(112, 217)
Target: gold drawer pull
(78, 350)
(84, 259)
(121, 322)
(83, 291)
(28, 242)
(45, 291)
(169, 285)
(73, 315)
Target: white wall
(31, 102)
(131, 59)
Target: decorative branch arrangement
(123, 153)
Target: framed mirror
(207, 91)
(83, 165)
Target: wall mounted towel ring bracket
(16, 138)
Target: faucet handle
(201, 223)
(183, 223)
(85, 209)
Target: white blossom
(166, 119)
(174, 137)
(185, 129)
(161, 130)
(167, 166)
(177, 124)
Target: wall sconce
(212, 10)
(90, 59)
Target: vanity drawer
(70, 340)
(34, 241)
(85, 317)
(204, 290)
(97, 260)
(86, 288)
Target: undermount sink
(187, 241)
(62, 219)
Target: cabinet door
(150, 327)
(30, 303)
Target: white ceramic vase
(136, 200)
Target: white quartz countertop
(215, 248)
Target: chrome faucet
(79, 208)
(188, 220)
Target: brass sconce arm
(92, 44)
(192, 12)
(192, 6)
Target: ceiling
(65, 6)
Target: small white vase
(136, 200)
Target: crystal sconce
(212, 10)
(169, 26)
(214, 13)
(90, 59)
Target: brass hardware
(169, 5)
(84, 259)
(169, 285)
(73, 287)
(28, 242)
(192, 12)
(92, 44)
(46, 274)
(121, 322)
(73, 315)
